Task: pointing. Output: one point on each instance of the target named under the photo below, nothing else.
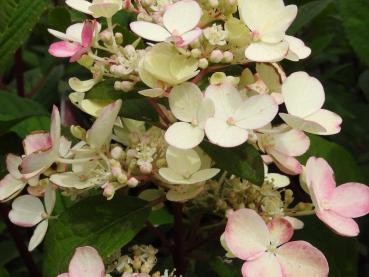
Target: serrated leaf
(244, 161)
(16, 27)
(94, 221)
(355, 19)
(307, 13)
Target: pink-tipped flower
(75, 42)
(267, 250)
(336, 206)
(85, 262)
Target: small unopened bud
(217, 78)
(131, 153)
(136, 262)
(86, 61)
(216, 56)
(118, 38)
(132, 182)
(214, 3)
(227, 57)
(78, 132)
(203, 63)
(116, 152)
(106, 36)
(126, 86)
(129, 50)
(146, 168)
(122, 179)
(109, 190)
(196, 53)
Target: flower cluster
(188, 46)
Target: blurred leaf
(8, 7)
(223, 269)
(104, 90)
(355, 19)
(59, 19)
(307, 13)
(14, 109)
(341, 252)
(161, 217)
(243, 161)
(364, 83)
(31, 124)
(8, 251)
(4, 272)
(18, 25)
(139, 109)
(105, 225)
(344, 165)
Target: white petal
(266, 52)
(205, 111)
(183, 162)
(292, 143)
(49, 199)
(79, 5)
(171, 176)
(297, 49)
(101, 130)
(302, 124)
(203, 175)
(302, 94)
(105, 8)
(265, 266)
(152, 92)
(38, 235)
(9, 186)
(181, 193)
(72, 180)
(221, 133)
(12, 165)
(26, 211)
(150, 31)
(330, 121)
(296, 223)
(81, 86)
(74, 32)
(65, 146)
(183, 135)
(182, 17)
(278, 180)
(256, 112)
(184, 101)
(86, 262)
(57, 34)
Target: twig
(22, 249)
(19, 69)
(157, 108)
(179, 250)
(160, 235)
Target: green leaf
(243, 161)
(21, 20)
(341, 252)
(344, 165)
(59, 19)
(31, 124)
(139, 109)
(161, 217)
(14, 109)
(364, 83)
(95, 221)
(4, 272)
(307, 13)
(355, 19)
(223, 269)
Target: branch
(157, 108)
(160, 235)
(179, 249)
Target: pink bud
(216, 56)
(146, 168)
(132, 182)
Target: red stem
(157, 108)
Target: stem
(110, 28)
(199, 76)
(157, 108)
(19, 69)
(300, 213)
(22, 249)
(160, 235)
(179, 250)
(71, 161)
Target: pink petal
(246, 234)
(320, 180)
(292, 143)
(280, 231)
(350, 200)
(63, 49)
(88, 33)
(287, 164)
(63, 275)
(78, 54)
(189, 37)
(300, 258)
(34, 142)
(266, 265)
(86, 262)
(343, 226)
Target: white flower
(304, 97)
(179, 20)
(184, 167)
(98, 8)
(234, 116)
(28, 211)
(278, 180)
(216, 35)
(188, 104)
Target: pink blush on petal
(63, 49)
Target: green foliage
(21, 18)
(104, 225)
(59, 19)
(341, 252)
(354, 15)
(243, 161)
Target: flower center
(255, 35)
(231, 121)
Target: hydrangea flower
(304, 97)
(179, 20)
(76, 41)
(336, 206)
(234, 116)
(28, 211)
(267, 249)
(96, 8)
(188, 104)
(184, 167)
(86, 261)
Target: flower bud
(78, 132)
(126, 86)
(106, 36)
(214, 3)
(216, 56)
(118, 38)
(217, 78)
(122, 179)
(146, 168)
(132, 182)
(109, 190)
(203, 63)
(196, 53)
(227, 57)
(116, 152)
